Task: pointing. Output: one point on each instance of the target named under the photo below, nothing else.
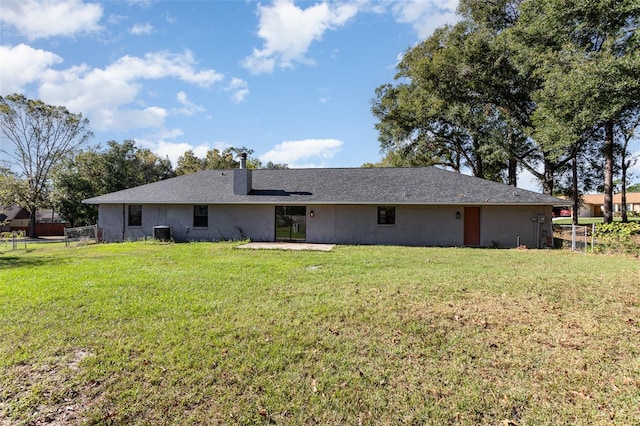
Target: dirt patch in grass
(48, 393)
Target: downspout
(123, 227)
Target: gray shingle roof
(424, 185)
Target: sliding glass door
(291, 223)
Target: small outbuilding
(424, 206)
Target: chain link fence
(614, 238)
(81, 235)
(574, 237)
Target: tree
(517, 84)
(10, 187)
(273, 166)
(188, 163)
(95, 172)
(41, 135)
(460, 103)
(392, 159)
(586, 56)
(78, 177)
(127, 165)
(627, 131)
(215, 159)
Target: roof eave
(319, 202)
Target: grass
(591, 220)
(203, 333)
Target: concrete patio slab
(288, 246)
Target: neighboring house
(48, 222)
(593, 204)
(404, 206)
(13, 217)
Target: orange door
(472, 226)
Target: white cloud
(300, 153)
(141, 3)
(101, 93)
(127, 119)
(167, 17)
(239, 89)
(116, 19)
(170, 134)
(172, 150)
(288, 32)
(188, 107)
(141, 29)
(164, 64)
(426, 15)
(47, 18)
(23, 64)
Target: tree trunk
(623, 169)
(547, 184)
(479, 165)
(513, 172)
(608, 172)
(623, 201)
(512, 166)
(574, 189)
(623, 207)
(32, 223)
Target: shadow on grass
(7, 262)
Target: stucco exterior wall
(357, 224)
(229, 222)
(586, 210)
(501, 226)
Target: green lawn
(590, 220)
(204, 333)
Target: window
(200, 216)
(135, 215)
(386, 215)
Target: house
(16, 218)
(12, 218)
(403, 206)
(593, 204)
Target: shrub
(619, 237)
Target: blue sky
(291, 80)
